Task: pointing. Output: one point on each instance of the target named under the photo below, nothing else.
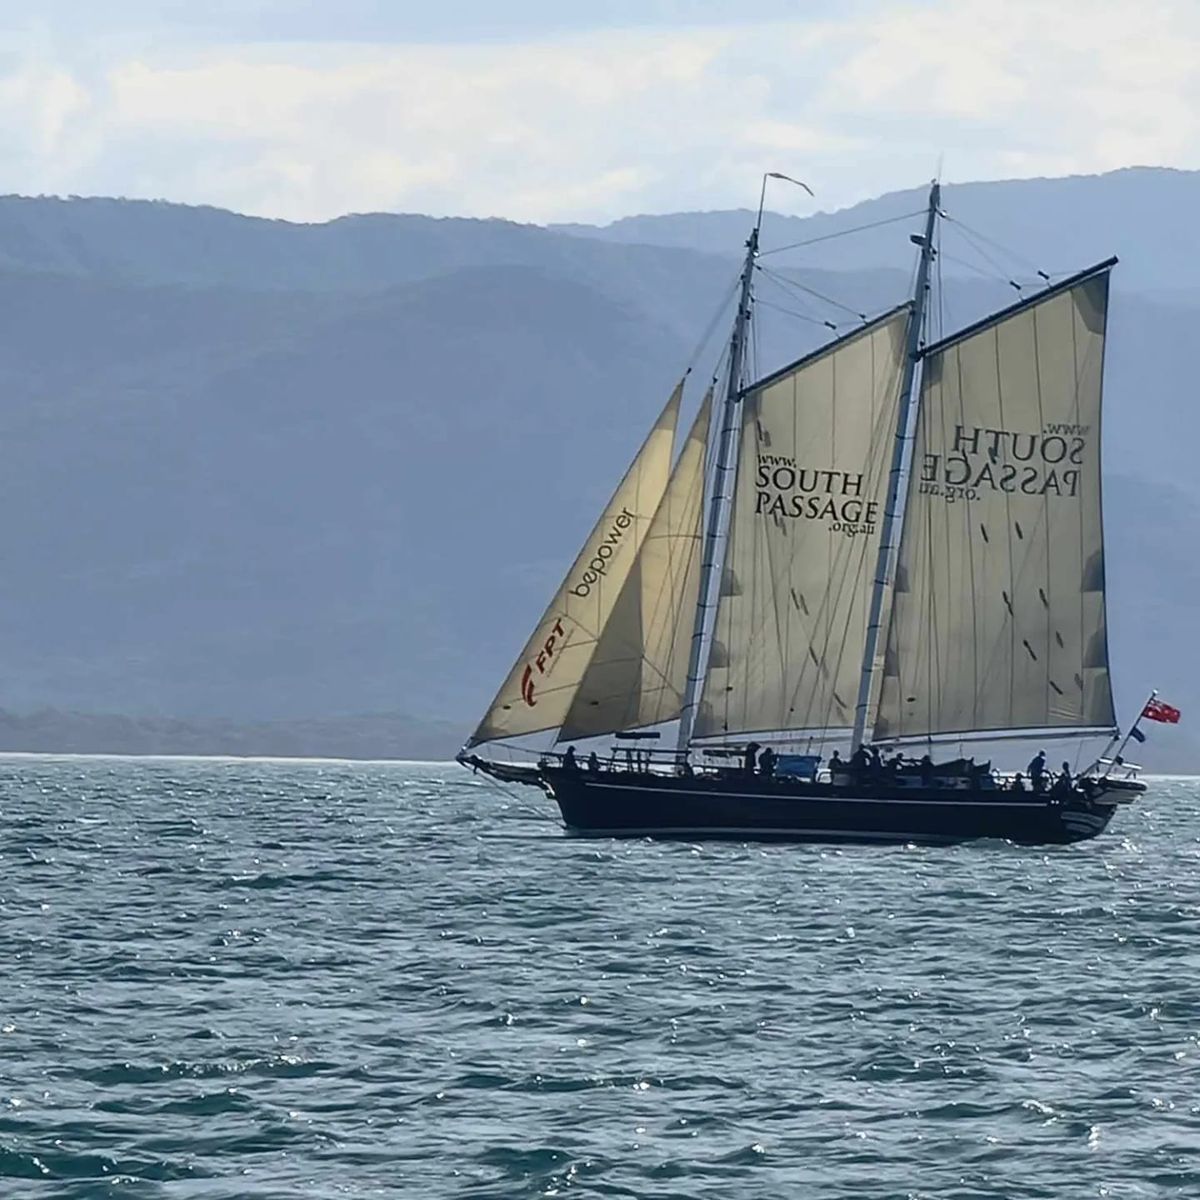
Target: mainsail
(638, 672)
(542, 684)
(998, 618)
(804, 532)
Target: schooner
(893, 544)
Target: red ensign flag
(1156, 710)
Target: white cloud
(595, 125)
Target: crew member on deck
(749, 758)
(593, 763)
(1062, 785)
(926, 765)
(766, 763)
(569, 761)
(860, 759)
(1037, 771)
(835, 764)
(1018, 783)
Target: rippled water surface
(322, 979)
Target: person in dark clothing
(766, 763)
(1018, 783)
(569, 761)
(860, 760)
(874, 759)
(926, 765)
(1037, 771)
(1062, 785)
(835, 763)
(593, 763)
(749, 758)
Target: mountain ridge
(1058, 224)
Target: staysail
(804, 532)
(638, 672)
(998, 619)
(541, 686)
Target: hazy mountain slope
(64, 338)
(357, 521)
(1153, 568)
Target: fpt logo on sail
(542, 662)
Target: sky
(552, 110)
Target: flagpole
(1121, 747)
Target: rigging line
(719, 367)
(1044, 278)
(983, 237)
(519, 800)
(786, 283)
(820, 631)
(968, 523)
(781, 284)
(850, 571)
(991, 276)
(940, 286)
(791, 312)
(1000, 271)
(752, 328)
(941, 664)
(712, 325)
(829, 237)
(927, 665)
(793, 286)
(887, 402)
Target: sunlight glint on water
(269, 979)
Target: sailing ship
(894, 543)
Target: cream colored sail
(804, 533)
(542, 683)
(638, 672)
(998, 619)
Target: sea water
(266, 979)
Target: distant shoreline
(227, 758)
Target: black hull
(747, 808)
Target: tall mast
(724, 464)
(885, 560)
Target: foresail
(804, 534)
(998, 619)
(638, 672)
(541, 686)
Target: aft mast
(886, 556)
